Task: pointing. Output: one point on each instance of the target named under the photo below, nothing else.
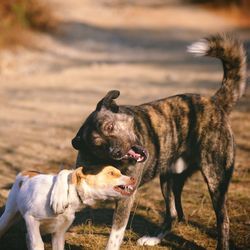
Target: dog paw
(59, 195)
(148, 241)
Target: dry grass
(19, 16)
(92, 226)
(141, 52)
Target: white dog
(31, 193)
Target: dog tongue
(133, 154)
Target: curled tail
(232, 54)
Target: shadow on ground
(14, 239)
(165, 47)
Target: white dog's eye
(112, 173)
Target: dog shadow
(15, 238)
(137, 223)
(211, 232)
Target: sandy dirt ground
(48, 90)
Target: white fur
(115, 238)
(59, 195)
(179, 166)
(151, 241)
(31, 198)
(199, 48)
(148, 241)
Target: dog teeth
(127, 189)
(140, 159)
(125, 156)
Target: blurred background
(58, 58)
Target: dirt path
(46, 92)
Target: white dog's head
(108, 183)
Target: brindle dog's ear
(76, 141)
(108, 101)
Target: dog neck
(85, 195)
(75, 200)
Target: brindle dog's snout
(115, 152)
(132, 180)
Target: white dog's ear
(59, 194)
(77, 176)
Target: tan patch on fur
(77, 176)
(46, 225)
(107, 175)
(30, 173)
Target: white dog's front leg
(33, 237)
(59, 194)
(58, 238)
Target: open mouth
(125, 189)
(137, 153)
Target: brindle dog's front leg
(120, 220)
(122, 211)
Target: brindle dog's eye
(97, 140)
(109, 127)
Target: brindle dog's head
(108, 135)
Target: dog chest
(57, 223)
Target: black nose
(116, 153)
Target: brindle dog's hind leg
(218, 177)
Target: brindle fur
(187, 126)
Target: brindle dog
(172, 137)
